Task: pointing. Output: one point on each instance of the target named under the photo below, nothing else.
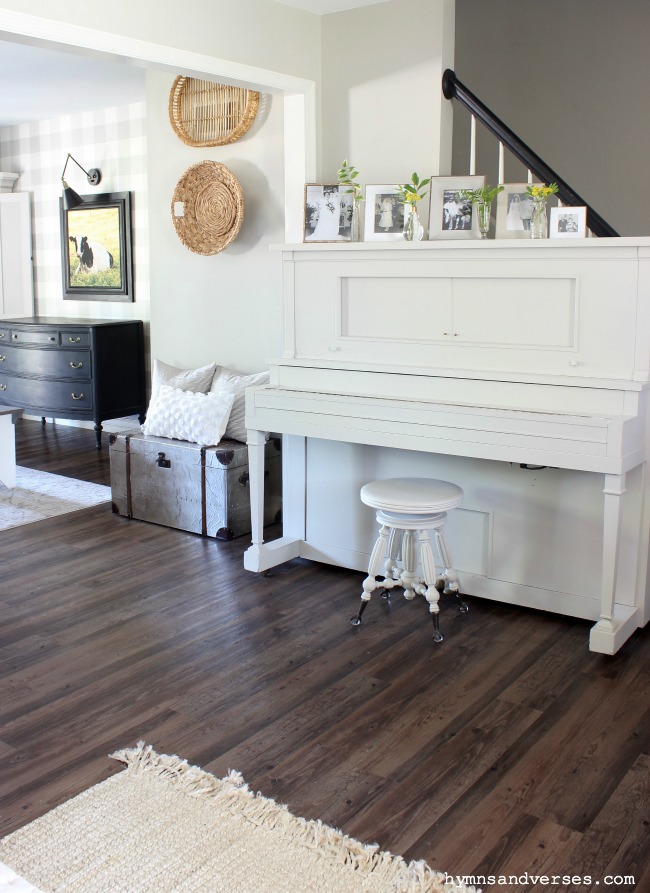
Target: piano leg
(617, 622)
(261, 556)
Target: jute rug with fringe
(163, 826)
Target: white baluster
(501, 164)
(472, 146)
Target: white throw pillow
(196, 380)
(183, 415)
(227, 381)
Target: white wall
(382, 105)
(225, 307)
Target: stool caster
(356, 620)
(463, 607)
(437, 635)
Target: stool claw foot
(356, 620)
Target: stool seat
(407, 511)
(412, 496)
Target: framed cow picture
(96, 250)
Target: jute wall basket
(207, 207)
(206, 114)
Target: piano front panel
(550, 316)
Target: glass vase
(355, 224)
(413, 229)
(483, 212)
(538, 221)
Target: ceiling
(38, 83)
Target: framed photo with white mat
(385, 214)
(451, 215)
(568, 222)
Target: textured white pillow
(227, 381)
(196, 380)
(183, 415)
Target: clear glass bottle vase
(538, 220)
(413, 229)
(483, 212)
(355, 223)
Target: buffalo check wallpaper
(111, 139)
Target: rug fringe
(406, 877)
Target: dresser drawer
(51, 337)
(66, 396)
(73, 364)
(74, 339)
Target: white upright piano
(517, 369)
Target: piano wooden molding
(469, 360)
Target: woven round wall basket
(207, 207)
(203, 113)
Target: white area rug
(163, 826)
(38, 495)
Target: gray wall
(571, 79)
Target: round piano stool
(407, 510)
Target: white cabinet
(16, 273)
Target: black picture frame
(101, 267)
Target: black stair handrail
(452, 88)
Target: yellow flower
(537, 191)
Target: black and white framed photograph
(96, 250)
(384, 219)
(514, 209)
(451, 216)
(568, 222)
(328, 213)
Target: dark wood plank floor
(509, 749)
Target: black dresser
(88, 369)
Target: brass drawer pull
(72, 365)
(2, 334)
(75, 397)
(2, 358)
(3, 387)
(51, 338)
(73, 340)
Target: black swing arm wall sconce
(71, 199)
